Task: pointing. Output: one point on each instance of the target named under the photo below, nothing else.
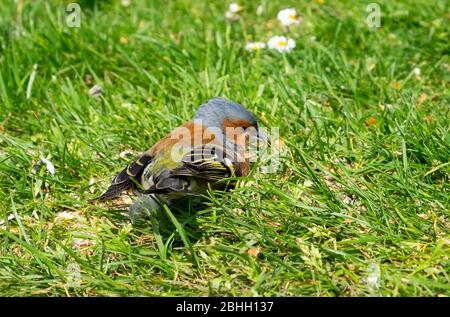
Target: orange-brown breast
(188, 134)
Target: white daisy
(126, 3)
(416, 71)
(281, 44)
(234, 8)
(255, 46)
(288, 16)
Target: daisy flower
(255, 46)
(126, 3)
(281, 44)
(288, 16)
(416, 72)
(233, 10)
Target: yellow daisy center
(292, 17)
(282, 43)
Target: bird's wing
(128, 178)
(160, 157)
(208, 162)
(198, 165)
(171, 166)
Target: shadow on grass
(177, 223)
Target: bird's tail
(126, 179)
(113, 191)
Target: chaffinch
(194, 156)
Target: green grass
(364, 177)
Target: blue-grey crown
(216, 110)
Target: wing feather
(128, 178)
(206, 162)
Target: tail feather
(114, 191)
(126, 179)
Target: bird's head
(220, 113)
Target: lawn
(359, 204)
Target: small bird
(194, 156)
